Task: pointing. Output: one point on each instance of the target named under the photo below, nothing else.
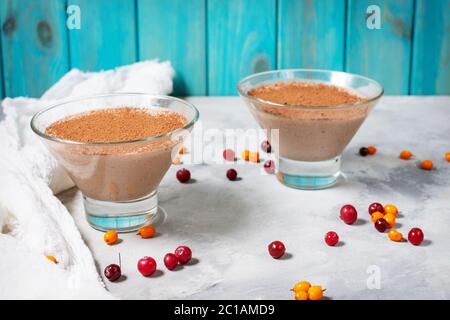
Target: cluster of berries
(404, 155)
(147, 265)
(184, 175)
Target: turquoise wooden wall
(214, 43)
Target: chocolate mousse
(313, 120)
(105, 153)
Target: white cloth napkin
(33, 222)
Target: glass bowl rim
(339, 106)
(148, 139)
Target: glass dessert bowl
(309, 137)
(118, 179)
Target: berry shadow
(121, 279)
(193, 262)
(179, 267)
(158, 273)
(157, 235)
(286, 256)
(426, 243)
(340, 244)
(191, 181)
(360, 222)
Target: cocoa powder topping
(116, 124)
(305, 94)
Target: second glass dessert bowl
(119, 180)
(309, 140)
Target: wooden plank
(382, 54)
(430, 72)
(311, 34)
(2, 92)
(107, 37)
(34, 45)
(175, 30)
(241, 41)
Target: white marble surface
(228, 225)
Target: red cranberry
(363, 151)
(146, 266)
(170, 261)
(231, 174)
(276, 249)
(184, 254)
(381, 225)
(374, 207)
(183, 175)
(349, 214)
(269, 166)
(229, 155)
(265, 145)
(112, 272)
(415, 236)
(331, 238)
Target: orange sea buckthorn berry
(447, 156)
(371, 150)
(426, 165)
(390, 208)
(111, 237)
(315, 293)
(147, 232)
(245, 155)
(301, 295)
(176, 160)
(301, 286)
(394, 235)
(405, 155)
(254, 157)
(52, 259)
(390, 219)
(182, 150)
(376, 215)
